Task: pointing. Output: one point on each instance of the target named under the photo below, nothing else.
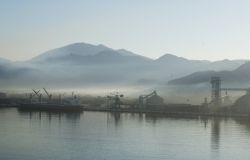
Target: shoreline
(160, 111)
(166, 112)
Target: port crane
(144, 98)
(37, 94)
(49, 95)
(114, 100)
(60, 97)
(31, 95)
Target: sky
(195, 29)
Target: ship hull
(50, 107)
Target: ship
(36, 102)
(50, 107)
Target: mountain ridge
(241, 75)
(87, 64)
(73, 49)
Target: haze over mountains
(239, 76)
(83, 65)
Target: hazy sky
(197, 29)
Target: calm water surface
(105, 136)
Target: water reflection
(114, 117)
(73, 117)
(153, 117)
(214, 140)
(244, 122)
(215, 133)
(205, 120)
(99, 135)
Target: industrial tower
(216, 91)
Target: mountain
(172, 59)
(81, 53)
(174, 67)
(79, 64)
(198, 65)
(100, 58)
(240, 76)
(81, 49)
(125, 52)
(86, 65)
(226, 64)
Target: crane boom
(36, 92)
(144, 98)
(149, 95)
(46, 92)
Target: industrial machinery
(71, 103)
(216, 98)
(39, 96)
(114, 101)
(49, 95)
(73, 100)
(151, 99)
(216, 91)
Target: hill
(240, 75)
(84, 65)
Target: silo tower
(216, 91)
